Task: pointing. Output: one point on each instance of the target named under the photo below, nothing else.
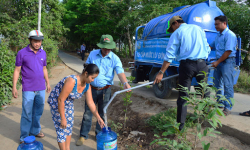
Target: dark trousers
(187, 70)
(83, 54)
(100, 97)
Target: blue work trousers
(224, 81)
(100, 97)
(32, 110)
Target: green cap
(107, 42)
(173, 19)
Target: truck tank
(151, 48)
(201, 14)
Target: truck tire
(163, 89)
(134, 74)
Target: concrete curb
(242, 136)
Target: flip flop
(40, 135)
(246, 113)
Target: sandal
(226, 112)
(246, 113)
(40, 135)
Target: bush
(243, 83)
(159, 121)
(51, 48)
(122, 53)
(205, 109)
(7, 66)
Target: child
(61, 102)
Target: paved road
(10, 120)
(233, 125)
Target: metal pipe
(118, 92)
(39, 15)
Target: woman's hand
(63, 123)
(101, 123)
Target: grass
(243, 83)
(159, 120)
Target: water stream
(106, 120)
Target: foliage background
(17, 19)
(68, 23)
(89, 19)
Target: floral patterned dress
(69, 108)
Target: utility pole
(39, 14)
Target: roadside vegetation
(243, 84)
(204, 110)
(17, 19)
(202, 121)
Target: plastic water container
(30, 143)
(106, 140)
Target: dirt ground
(140, 110)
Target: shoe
(80, 141)
(247, 113)
(226, 112)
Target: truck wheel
(163, 89)
(134, 74)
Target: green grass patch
(243, 83)
(159, 121)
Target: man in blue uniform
(225, 44)
(188, 44)
(108, 63)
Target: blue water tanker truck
(150, 49)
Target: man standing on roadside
(107, 62)
(31, 61)
(188, 44)
(225, 44)
(83, 47)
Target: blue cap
(105, 130)
(29, 139)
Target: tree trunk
(119, 44)
(126, 50)
(129, 43)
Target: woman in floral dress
(61, 102)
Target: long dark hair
(90, 68)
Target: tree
(89, 19)
(19, 17)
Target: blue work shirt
(187, 42)
(225, 41)
(82, 48)
(106, 66)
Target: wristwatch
(161, 72)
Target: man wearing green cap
(188, 45)
(107, 62)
